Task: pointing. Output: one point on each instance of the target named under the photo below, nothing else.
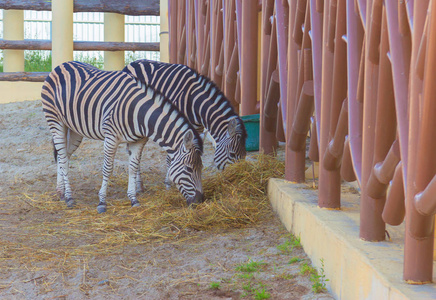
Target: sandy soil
(170, 269)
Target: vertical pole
(62, 31)
(113, 32)
(267, 140)
(329, 181)
(372, 227)
(249, 58)
(13, 29)
(172, 19)
(417, 249)
(163, 35)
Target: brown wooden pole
(267, 139)
(131, 7)
(269, 116)
(347, 169)
(249, 59)
(298, 73)
(172, 16)
(231, 77)
(394, 210)
(313, 146)
(205, 63)
(386, 152)
(333, 154)
(79, 45)
(297, 33)
(372, 227)
(418, 254)
(181, 34)
(330, 181)
(374, 24)
(24, 76)
(383, 172)
(218, 47)
(422, 225)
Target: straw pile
(234, 198)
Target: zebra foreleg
(110, 148)
(167, 180)
(135, 151)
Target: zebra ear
(232, 127)
(188, 140)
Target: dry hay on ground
(234, 198)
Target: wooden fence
(150, 7)
(358, 74)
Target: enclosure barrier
(63, 39)
(356, 75)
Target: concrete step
(356, 269)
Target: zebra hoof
(136, 204)
(101, 208)
(70, 203)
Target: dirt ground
(203, 265)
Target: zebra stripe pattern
(80, 100)
(201, 101)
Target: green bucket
(251, 123)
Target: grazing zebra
(201, 101)
(80, 100)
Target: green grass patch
(250, 267)
(289, 245)
(214, 285)
(263, 294)
(318, 278)
(294, 260)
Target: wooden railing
(136, 7)
(358, 73)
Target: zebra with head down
(80, 100)
(201, 101)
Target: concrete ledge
(356, 269)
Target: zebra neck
(215, 112)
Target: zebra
(80, 100)
(201, 101)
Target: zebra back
(92, 102)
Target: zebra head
(185, 168)
(231, 146)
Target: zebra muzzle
(197, 199)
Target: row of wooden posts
(115, 9)
(352, 75)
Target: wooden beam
(79, 45)
(132, 7)
(24, 76)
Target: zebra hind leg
(63, 188)
(110, 148)
(135, 183)
(139, 182)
